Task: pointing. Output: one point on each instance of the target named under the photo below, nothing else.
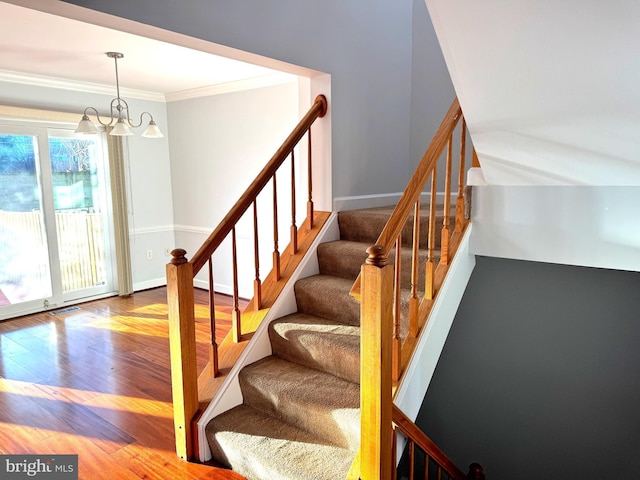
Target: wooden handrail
(379, 332)
(417, 436)
(317, 110)
(429, 161)
(180, 283)
(422, 173)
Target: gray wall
(540, 375)
(431, 88)
(366, 47)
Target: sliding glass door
(25, 270)
(55, 232)
(80, 204)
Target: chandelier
(120, 119)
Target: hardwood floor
(96, 382)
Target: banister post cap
(178, 256)
(475, 472)
(377, 256)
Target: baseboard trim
(147, 284)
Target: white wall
(148, 173)
(218, 145)
(549, 89)
(583, 226)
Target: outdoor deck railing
(81, 251)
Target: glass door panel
(55, 218)
(80, 203)
(25, 273)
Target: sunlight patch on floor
(85, 397)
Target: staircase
(300, 416)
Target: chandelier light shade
(152, 130)
(120, 117)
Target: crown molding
(87, 87)
(230, 87)
(77, 86)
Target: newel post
(376, 313)
(182, 343)
(475, 472)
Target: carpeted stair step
(309, 399)
(318, 343)
(328, 297)
(367, 224)
(344, 258)
(300, 415)
(261, 447)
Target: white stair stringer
(431, 340)
(259, 346)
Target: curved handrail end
(324, 103)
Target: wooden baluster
(412, 459)
(444, 242)
(468, 191)
(222, 231)
(213, 348)
(474, 159)
(276, 252)
(461, 172)
(182, 344)
(376, 313)
(426, 466)
(439, 472)
(426, 445)
(414, 302)
(236, 326)
(394, 449)
(294, 228)
(257, 283)
(396, 365)
(430, 267)
(309, 182)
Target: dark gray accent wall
(540, 374)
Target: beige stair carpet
(300, 419)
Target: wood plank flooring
(96, 382)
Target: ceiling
(39, 44)
(549, 89)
